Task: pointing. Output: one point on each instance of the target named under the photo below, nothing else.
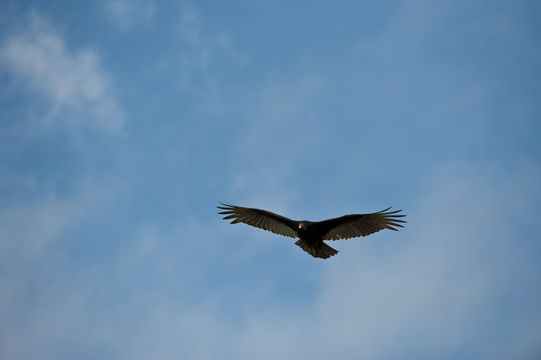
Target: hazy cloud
(201, 48)
(267, 151)
(72, 80)
(127, 14)
(446, 280)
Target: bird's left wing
(350, 226)
(262, 219)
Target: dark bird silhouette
(312, 234)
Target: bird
(312, 234)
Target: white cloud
(73, 81)
(127, 14)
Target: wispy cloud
(73, 81)
(268, 155)
(200, 49)
(126, 14)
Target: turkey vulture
(311, 234)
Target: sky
(123, 123)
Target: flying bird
(312, 234)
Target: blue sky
(122, 123)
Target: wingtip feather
(226, 204)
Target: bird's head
(302, 226)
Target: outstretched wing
(350, 226)
(262, 219)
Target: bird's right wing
(350, 226)
(262, 219)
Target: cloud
(34, 272)
(126, 14)
(266, 157)
(442, 287)
(201, 48)
(72, 81)
(458, 281)
(48, 217)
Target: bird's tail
(321, 250)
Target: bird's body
(311, 241)
(312, 234)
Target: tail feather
(321, 250)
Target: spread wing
(262, 219)
(350, 226)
